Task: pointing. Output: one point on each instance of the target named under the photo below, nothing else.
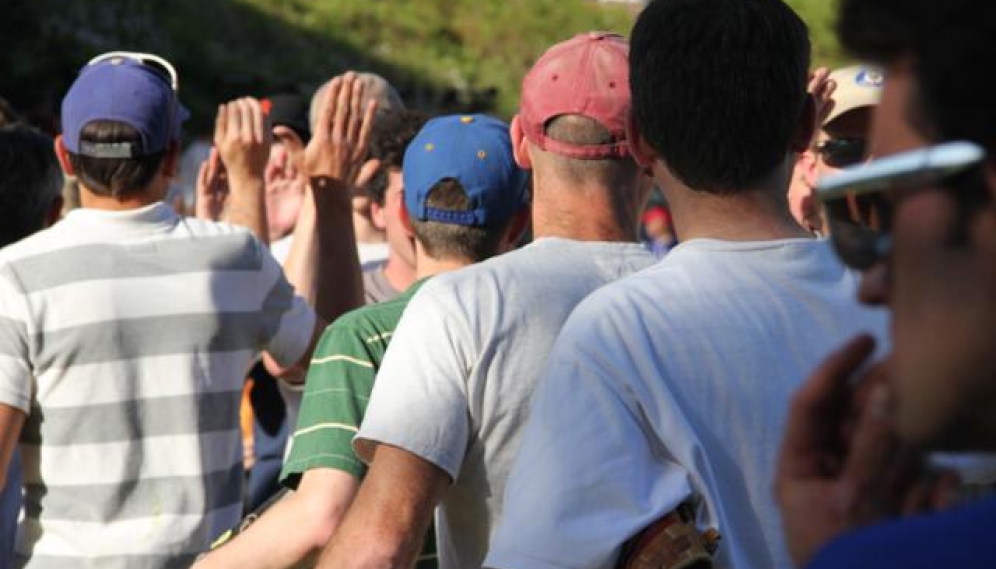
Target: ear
(63, 155)
(643, 154)
(54, 212)
(517, 228)
(377, 215)
(171, 162)
(406, 220)
(802, 139)
(520, 146)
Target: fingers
(220, 124)
(817, 79)
(323, 125)
(876, 456)
(818, 409)
(355, 109)
(367, 171)
(366, 127)
(342, 101)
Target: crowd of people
(385, 339)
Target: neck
(427, 266)
(135, 200)
(400, 274)
(587, 213)
(759, 214)
(365, 230)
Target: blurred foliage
(443, 55)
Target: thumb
(367, 171)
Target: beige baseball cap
(857, 86)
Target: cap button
(466, 120)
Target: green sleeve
(337, 389)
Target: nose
(874, 287)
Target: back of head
(389, 139)
(462, 186)
(951, 45)
(719, 87)
(30, 181)
(375, 88)
(119, 118)
(574, 106)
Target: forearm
(11, 420)
(294, 531)
(246, 204)
(386, 525)
(323, 265)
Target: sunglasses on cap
(860, 201)
(158, 64)
(842, 152)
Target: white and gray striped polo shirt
(125, 336)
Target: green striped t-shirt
(340, 379)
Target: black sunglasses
(858, 205)
(842, 152)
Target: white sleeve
(590, 473)
(15, 362)
(288, 322)
(419, 399)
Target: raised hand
(212, 188)
(338, 147)
(821, 88)
(841, 464)
(242, 136)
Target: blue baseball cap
(476, 151)
(134, 89)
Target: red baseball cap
(586, 75)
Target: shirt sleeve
(590, 473)
(419, 401)
(15, 355)
(287, 321)
(336, 393)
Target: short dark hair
(451, 240)
(719, 87)
(952, 47)
(392, 133)
(114, 177)
(30, 181)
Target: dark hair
(718, 87)
(115, 177)
(30, 181)
(952, 47)
(451, 240)
(392, 133)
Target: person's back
(502, 317)
(136, 327)
(455, 387)
(670, 386)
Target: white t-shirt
(372, 252)
(675, 383)
(455, 385)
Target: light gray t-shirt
(674, 384)
(456, 383)
(376, 287)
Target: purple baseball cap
(134, 89)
